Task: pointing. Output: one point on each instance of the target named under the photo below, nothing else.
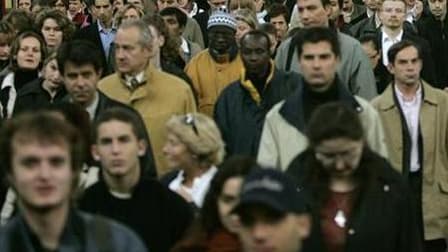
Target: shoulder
(108, 80)
(30, 88)
(198, 58)
(168, 81)
(167, 178)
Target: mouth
(45, 190)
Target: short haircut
(315, 35)
(369, 38)
(145, 38)
(398, 47)
(122, 115)
(80, 53)
(334, 120)
(201, 136)
(247, 16)
(258, 36)
(277, 9)
(52, 3)
(61, 19)
(173, 11)
(268, 28)
(16, 47)
(42, 127)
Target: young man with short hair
(42, 158)
(156, 214)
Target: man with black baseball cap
(273, 213)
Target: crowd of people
(224, 125)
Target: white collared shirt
(411, 13)
(91, 109)
(387, 42)
(184, 46)
(200, 185)
(8, 81)
(411, 112)
(140, 77)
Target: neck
(191, 172)
(51, 90)
(155, 61)
(392, 32)
(124, 183)
(342, 184)
(106, 25)
(407, 90)
(88, 103)
(264, 73)
(49, 225)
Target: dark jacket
(33, 97)
(383, 219)
(91, 33)
(82, 232)
(241, 119)
(436, 33)
(156, 214)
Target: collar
(249, 86)
(292, 109)
(91, 109)
(370, 12)
(386, 38)
(140, 77)
(184, 45)
(104, 30)
(8, 81)
(402, 98)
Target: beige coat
(434, 130)
(162, 96)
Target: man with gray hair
(154, 94)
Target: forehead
(29, 41)
(279, 18)
(131, 11)
(169, 17)
(102, 2)
(321, 47)
(127, 36)
(70, 67)
(50, 22)
(113, 128)
(393, 4)
(221, 29)
(25, 1)
(305, 3)
(338, 144)
(232, 186)
(254, 42)
(409, 52)
(26, 144)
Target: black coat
(159, 216)
(383, 219)
(239, 117)
(436, 33)
(33, 97)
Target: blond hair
(201, 136)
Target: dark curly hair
(66, 26)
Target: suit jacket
(363, 27)
(91, 33)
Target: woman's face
(5, 46)
(52, 33)
(227, 200)
(158, 41)
(29, 54)
(176, 153)
(340, 157)
(241, 29)
(51, 74)
(130, 14)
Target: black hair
(370, 38)
(267, 28)
(398, 47)
(277, 9)
(79, 52)
(258, 36)
(315, 35)
(173, 11)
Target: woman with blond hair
(246, 21)
(194, 148)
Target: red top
(334, 216)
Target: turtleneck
(22, 77)
(259, 80)
(312, 99)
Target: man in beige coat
(154, 94)
(415, 119)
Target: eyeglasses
(189, 120)
(348, 156)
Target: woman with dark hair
(359, 203)
(55, 28)
(216, 227)
(27, 55)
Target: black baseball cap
(273, 189)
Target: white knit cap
(221, 18)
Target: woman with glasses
(359, 203)
(193, 149)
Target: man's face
(340, 157)
(312, 13)
(255, 54)
(103, 11)
(172, 25)
(131, 57)
(162, 4)
(406, 67)
(25, 5)
(347, 5)
(318, 63)
(80, 82)
(138, 3)
(335, 10)
(216, 4)
(118, 148)
(281, 26)
(392, 14)
(372, 53)
(266, 230)
(74, 6)
(438, 8)
(221, 38)
(41, 174)
(5, 46)
(372, 5)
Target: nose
(115, 147)
(339, 163)
(260, 232)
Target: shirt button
(386, 188)
(351, 231)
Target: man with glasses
(283, 138)
(415, 120)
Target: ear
(303, 224)
(161, 40)
(390, 68)
(328, 10)
(142, 146)
(94, 151)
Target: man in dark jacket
(156, 214)
(434, 28)
(42, 157)
(242, 106)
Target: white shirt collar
(140, 78)
(91, 109)
(386, 37)
(184, 46)
(401, 97)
